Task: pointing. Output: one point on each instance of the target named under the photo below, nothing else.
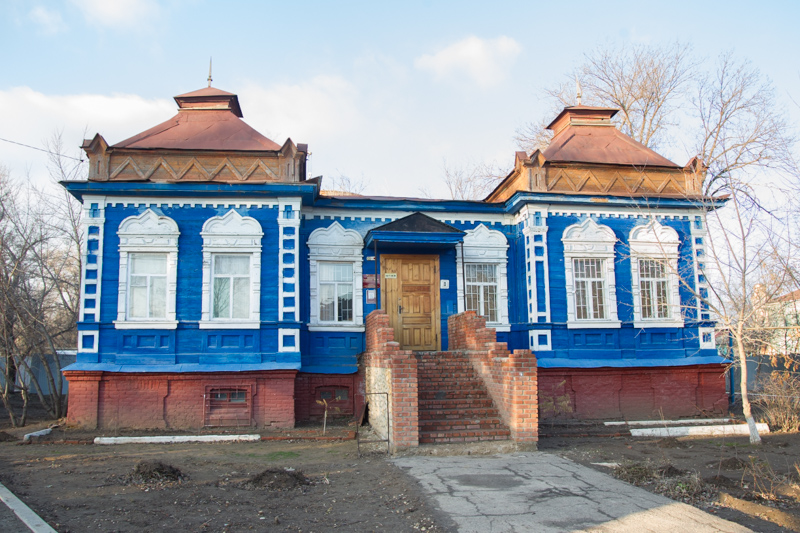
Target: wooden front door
(410, 296)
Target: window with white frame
(653, 291)
(590, 276)
(481, 280)
(335, 292)
(335, 272)
(481, 290)
(147, 285)
(231, 286)
(654, 275)
(148, 258)
(590, 292)
(231, 272)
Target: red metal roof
(586, 135)
(208, 119)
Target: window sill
(664, 323)
(346, 328)
(594, 324)
(146, 324)
(497, 326)
(225, 324)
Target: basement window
(228, 406)
(334, 395)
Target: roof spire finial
(209, 72)
(578, 89)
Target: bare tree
(741, 128)
(646, 83)
(472, 182)
(40, 244)
(342, 185)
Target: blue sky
(381, 91)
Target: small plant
(325, 415)
(766, 481)
(779, 400)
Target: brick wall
(391, 370)
(152, 401)
(307, 389)
(633, 393)
(510, 377)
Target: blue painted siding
(337, 351)
(188, 343)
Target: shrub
(779, 400)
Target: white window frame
(485, 246)
(335, 244)
(147, 233)
(336, 284)
(231, 234)
(655, 241)
(231, 277)
(481, 285)
(590, 240)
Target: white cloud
(323, 107)
(49, 22)
(31, 117)
(117, 13)
(484, 61)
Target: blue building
(222, 286)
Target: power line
(41, 149)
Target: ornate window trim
(336, 245)
(590, 240)
(232, 234)
(656, 241)
(485, 246)
(147, 233)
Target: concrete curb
(687, 422)
(33, 521)
(699, 431)
(177, 438)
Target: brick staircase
(454, 405)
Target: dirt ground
(293, 483)
(265, 486)
(756, 486)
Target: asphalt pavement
(544, 493)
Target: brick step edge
(455, 403)
(438, 428)
(467, 413)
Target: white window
(653, 290)
(590, 292)
(231, 293)
(147, 294)
(148, 264)
(481, 293)
(335, 268)
(654, 273)
(335, 292)
(231, 272)
(481, 277)
(590, 276)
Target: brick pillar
(394, 371)
(404, 399)
(83, 398)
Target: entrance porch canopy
(416, 229)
